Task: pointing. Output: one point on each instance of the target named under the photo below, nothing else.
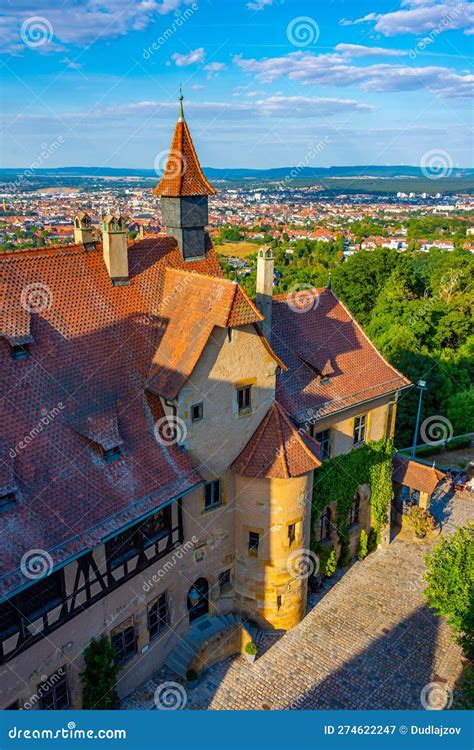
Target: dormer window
(20, 351)
(7, 501)
(112, 454)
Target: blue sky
(266, 82)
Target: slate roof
(415, 475)
(331, 363)
(82, 391)
(277, 450)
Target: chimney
(265, 264)
(184, 192)
(82, 229)
(115, 248)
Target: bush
(191, 675)
(362, 549)
(329, 566)
(99, 678)
(345, 558)
(450, 591)
(372, 541)
(251, 648)
(420, 520)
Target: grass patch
(237, 249)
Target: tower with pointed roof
(184, 192)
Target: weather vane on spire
(180, 98)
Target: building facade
(160, 433)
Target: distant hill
(276, 173)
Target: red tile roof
(203, 302)
(331, 363)
(183, 175)
(277, 450)
(415, 475)
(83, 389)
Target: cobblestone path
(370, 642)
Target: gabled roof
(199, 302)
(331, 363)
(277, 450)
(415, 475)
(83, 385)
(183, 175)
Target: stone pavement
(369, 642)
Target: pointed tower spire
(184, 192)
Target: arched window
(324, 526)
(355, 510)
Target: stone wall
(268, 589)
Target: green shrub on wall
(338, 480)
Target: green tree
(99, 677)
(450, 576)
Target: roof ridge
(262, 426)
(284, 458)
(286, 416)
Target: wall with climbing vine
(338, 480)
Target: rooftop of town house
(331, 364)
(203, 302)
(277, 450)
(416, 475)
(90, 349)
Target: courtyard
(368, 641)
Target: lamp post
(421, 385)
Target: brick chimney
(82, 229)
(115, 248)
(265, 265)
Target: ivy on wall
(338, 480)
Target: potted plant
(250, 652)
(191, 677)
(420, 520)
(363, 548)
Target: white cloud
(215, 67)
(359, 50)
(194, 56)
(259, 4)
(416, 17)
(334, 70)
(75, 24)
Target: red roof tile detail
(277, 450)
(323, 338)
(84, 383)
(415, 475)
(183, 174)
(202, 302)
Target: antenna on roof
(180, 99)
(328, 285)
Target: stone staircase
(180, 659)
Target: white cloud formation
(415, 17)
(259, 4)
(194, 56)
(75, 24)
(334, 70)
(360, 50)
